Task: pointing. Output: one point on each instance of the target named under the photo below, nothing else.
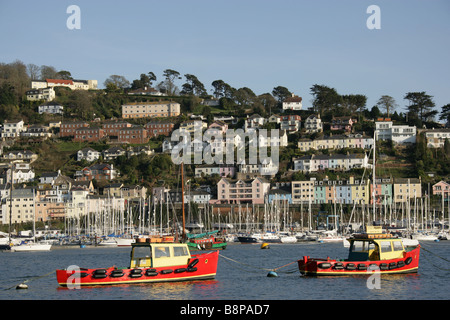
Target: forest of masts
(146, 218)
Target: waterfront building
(242, 191)
(407, 189)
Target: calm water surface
(242, 275)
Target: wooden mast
(182, 203)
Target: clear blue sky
(258, 44)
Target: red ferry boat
(149, 262)
(371, 251)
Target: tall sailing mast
(182, 203)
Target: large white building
(72, 84)
(386, 130)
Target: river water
(241, 275)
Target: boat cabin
(154, 255)
(367, 249)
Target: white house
(22, 173)
(255, 121)
(12, 129)
(47, 94)
(88, 154)
(51, 108)
(313, 124)
(401, 134)
(436, 137)
(292, 103)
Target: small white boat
(31, 246)
(424, 237)
(407, 242)
(330, 236)
(109, 242)
(124, 242)
(270, 237)
(288, 239)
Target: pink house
(342, 123)
(242, 191)
(442, 188)
(220, 126)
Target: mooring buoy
(265, 245)
(22, 286)
(272, 274)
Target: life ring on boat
(193, 263)
(408, 260)
(324, 265)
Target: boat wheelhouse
(368, 252)
(149, 262)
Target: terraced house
(150, 109)
(354, 141)
(336, 162)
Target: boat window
(362, 246)
(141, 252)
(397, 245)
(180, 251)
(385, 246)
(162, 252)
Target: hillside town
(111, 164)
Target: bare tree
(387, 103)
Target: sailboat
(31, 245)
(203, 241)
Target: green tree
(420, 106)
(219, 88)
(193, 86)
(325, 98)
(445, 113)
(281, 93)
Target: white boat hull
(288, 239)
(125, 242)
(31, 247)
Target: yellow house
(360, 190)
(406, 189)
